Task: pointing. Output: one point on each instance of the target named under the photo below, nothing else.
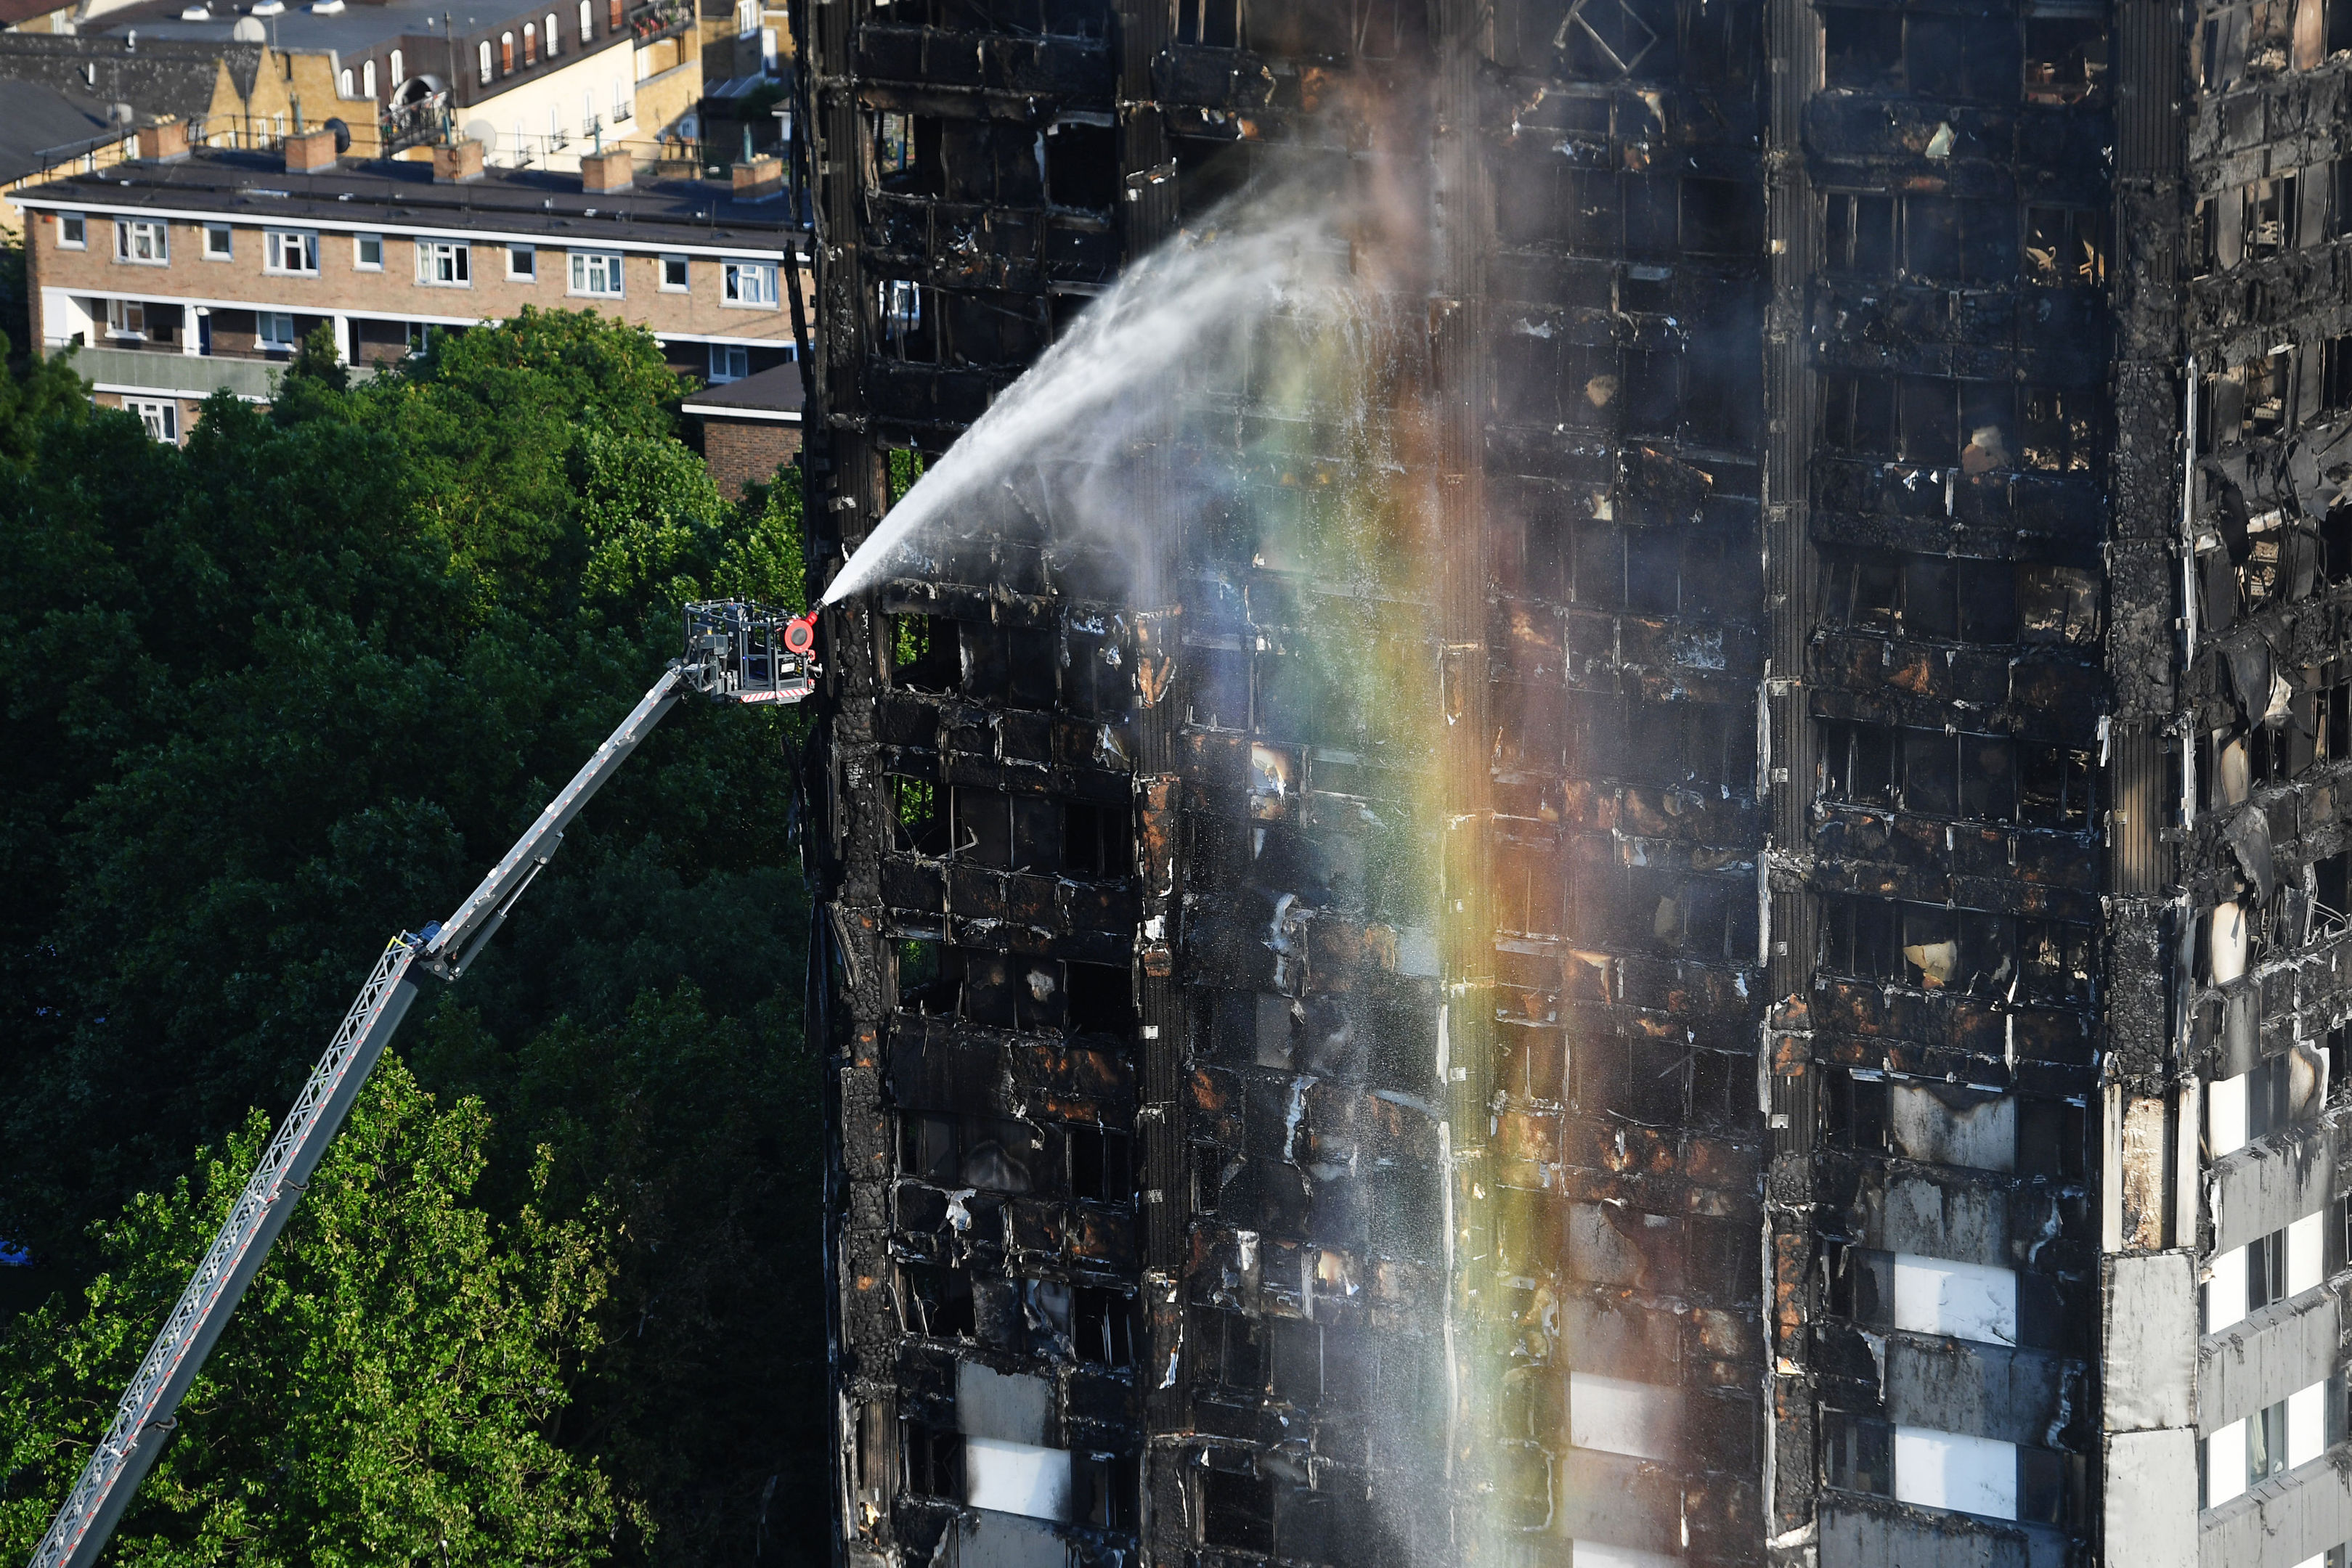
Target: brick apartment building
(180, 273)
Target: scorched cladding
(1678, 896)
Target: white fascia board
(407, 231)
(718, 410)
(158, 395)
(149, 296)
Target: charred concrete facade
(1797, 1025)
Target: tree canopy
(271, 697)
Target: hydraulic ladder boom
(734, 653)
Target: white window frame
(301, 245)
(547, 26)
(73, 231)
(399, 70)
(367, 78)
(760, 274)
(721, 372)
(587, 17)
(126, 318)
(445, 264)
(345, 85)
(360, 262)
(685, 283)
(159, 415)
(227, 237)
(482, 59)
(584, 269)
(153, 230)
(529, 256)
(262, 321)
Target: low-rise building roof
(402, 196)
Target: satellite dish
(483, 131)
(249, 31)
(342, 136)
(123, 114)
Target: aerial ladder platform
(736, 652)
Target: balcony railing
(407, 125)
(171, 373)
(661, 19)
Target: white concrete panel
(1950, 1469)
(1592, 1555)
(1011, 1407)
(2225, 1464)
(2225, 1291)
(1016, 1477)
(1967, 1301)
(2307, 1424)
(986, 1540)
(2225, 1115)
(1954, 1127)
(2148, 1376)
(1619, 1416)
(2151, 1499)
(2306, 1248)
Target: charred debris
(1798, 1024)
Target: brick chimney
(760, 180)
(457, 162)
(165, 142)
(602, 174)
(312, 152)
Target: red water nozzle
(800, 634)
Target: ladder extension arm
(143, 1422)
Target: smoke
(1199, 299)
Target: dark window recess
(2052, 1139)
(1857, 1453)
(1971, 777)
(1604, 40)
(934, 1459)
(2066, 59)
(1102, 1164)
(1103, 1325)
(1097, 840)
(2265, 1271)
(909, 315)
(1236, 1511)
(1101, 998)
(1214, 23)
(935, 1303)
(998, 989)
(992, 1154)
(924, 654)
(1961, 58)
(2053, 1488)
(1854, 1113)
(2055, 786)
(1110, 1491)
(2270, 1096)
(1942, 599)
(1862, 50)
(1007, 665)
(2066, 246)
(1008, 832)
(1095, 679)
(1722, 217)
(920, 826)
(1934, 239)
(2331, 876)
(1964, 950)
(1081, 166)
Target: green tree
(298, 684)
(388, 1392)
